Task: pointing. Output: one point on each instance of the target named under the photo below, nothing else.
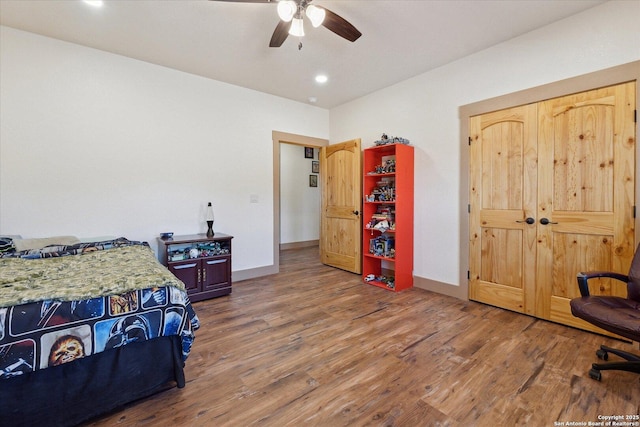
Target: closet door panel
(574, 252)
(503, 180)
(585, 191)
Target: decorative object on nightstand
(210, 218)
(202, 263)
(387, 246)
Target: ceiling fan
(291, 13)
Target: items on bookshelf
(386, 140)
(383, 219)
(382, 246)
(385, 191)
(389, 166)
(388, 281)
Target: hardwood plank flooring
(313, 345)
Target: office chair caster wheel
(595, 374)
(602, 354)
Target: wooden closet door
(586, 149)
(568, 166)
(503, 179)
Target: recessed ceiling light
(94, 3)
(321, 78)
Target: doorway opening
(300, 201)
(293, 139)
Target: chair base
(631, 364)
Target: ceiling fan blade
(340, 26)
(280, 34)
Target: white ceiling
(228, 41)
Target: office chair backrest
(633, 286)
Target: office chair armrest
(583, 277)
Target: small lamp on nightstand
(210, 232)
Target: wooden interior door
(340, 229)
(586, 145)
(567, 166)
(502, 196)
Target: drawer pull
(183, 266)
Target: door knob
(545, 221)
(529, 220)
(356, 212)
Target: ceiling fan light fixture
(297, 27)
(286, 9)
(315, 14)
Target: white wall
(299, 203)
(98, 144)
(95, 144)
(424, 109)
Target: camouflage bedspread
(81, 271)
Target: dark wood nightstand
(202, 263)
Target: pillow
(97, 239)
(6, 244)
(29, 244)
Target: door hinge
(469, 208)
(634, 211)
(469, 140)
(468, 275)
(635, 116)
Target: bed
(86, 327)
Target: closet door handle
(355, 212)
(545, 221)
(528, 220)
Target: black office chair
(618, 315)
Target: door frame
(285, 138)
(607, 77)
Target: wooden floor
(315, 346)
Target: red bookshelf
(387, 242)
